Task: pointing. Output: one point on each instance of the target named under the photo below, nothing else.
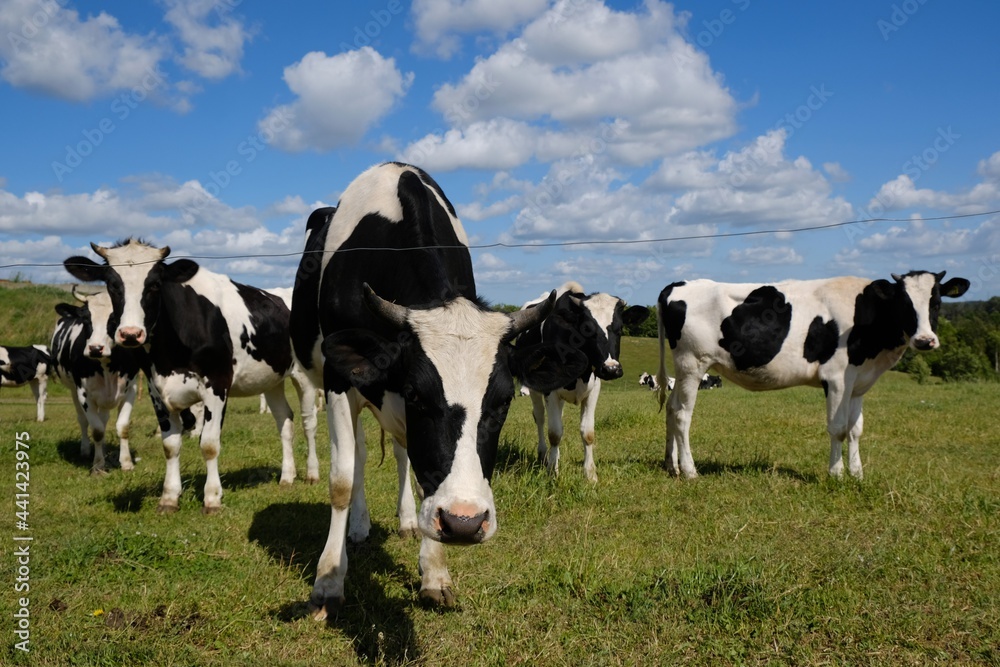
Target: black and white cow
(649, 381)
(840, 334)
(100, 377)
(710, 382)
(208, 338)
(591, 323)
(27, 366)
(385, 311)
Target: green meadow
(761, 560)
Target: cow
(385, 312)
(208, 338)
(648, 381)
(100, 377)
(30, 366)
(840, 334)
(709, 382)
(592, 324)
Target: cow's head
(593, 324)
(914, 299)
(133, 271)
(97, 312)
(450, 370)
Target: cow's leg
(359, 521)
(341, 418)
(283, 419)
(306, 391)
(79, 400)
(554, 406)
(39, 391)
(124, 416)
(856, 423)
(837, 414)
(680, 407)
(435, 581)
(406, 507)
(98, 420)
(211, 445)
(587, 415)
(171, 431)
(538, 413)
(264, 407)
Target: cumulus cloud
(212, 37)
(439, 23)
(338, 98)
(836, 172)
(902, 193)
(54, 51)
(625, 85)
(765, 255)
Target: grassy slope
(760, 560)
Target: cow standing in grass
(27, 366)
(100, 377)
(592, 324)
(385, 313)
(208, 338)
(840, 334)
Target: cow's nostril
(462, 528)
(96, 350)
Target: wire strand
(557, 244)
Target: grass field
(762, 559)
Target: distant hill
(27, 311)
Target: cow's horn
(82, 298)
(392, 313)
(102, 252)
(522, 320)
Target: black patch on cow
(821, 341)
(672, 314)
(303, 322)
(26, 364)
(826, 387)
(269, 342)
(883, 317)
(754, 332)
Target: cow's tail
(661, 372)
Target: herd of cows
(385, 315)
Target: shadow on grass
(512, 458)
(69, 451)
(379, 626)
(130, 500)
(759, 466)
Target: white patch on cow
(919, 288)
(99, 343)
(4, 359)
(461, 341)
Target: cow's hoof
(206, 510)
(166, 508)
(286, 482)
(442, 597)
(328, 608)
(312, 479)
(98, 472)
(409, 532)
(128, 467)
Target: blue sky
(216, 126)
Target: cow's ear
(85, 269)
(955, 287)
(180, 271)
(66, 310)
(547, 367)
(883, 289)
(358, 358)
(635, 315)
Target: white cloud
(765, 255)
(212, 48)
(52, 50)
(836, 172)
(621, 85)
(338, 98)
(901, 193)
(438, 21)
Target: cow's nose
(924, 343)
(461, 527)
(96, 350)
(611, 370)
(131, 336)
